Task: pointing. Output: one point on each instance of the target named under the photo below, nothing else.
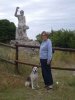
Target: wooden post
(16, 63)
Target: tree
(7, 30)
(38, 37)
(61, 38)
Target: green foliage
(39, 38)
(61, 38)
(7, 30)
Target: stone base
(26, 42)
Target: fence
(16, 61)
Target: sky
(41, 15)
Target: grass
(12, 85)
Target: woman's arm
(49, 52)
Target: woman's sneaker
(49, 87)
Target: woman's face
(44, 37)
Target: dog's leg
(32, 84)
(37, 83)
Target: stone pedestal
(26, 42)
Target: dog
(32, 80)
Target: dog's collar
(34, 72)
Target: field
(12, 85)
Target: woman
(45, 60)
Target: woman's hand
(48, 62)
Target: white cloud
(36, 0)
(2, 14)
(41, 14)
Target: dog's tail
(27, 83)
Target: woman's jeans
(46, 72)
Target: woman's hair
(44, 33)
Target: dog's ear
(32, 67)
